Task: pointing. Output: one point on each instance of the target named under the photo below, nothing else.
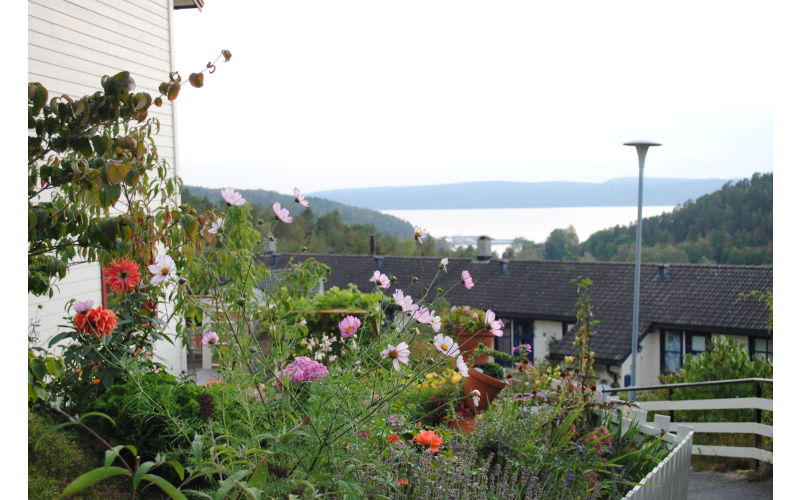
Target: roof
(696, 297)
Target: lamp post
(641, 151)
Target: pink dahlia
(282, 213)
(348, 326)
(302, 369)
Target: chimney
(663, 273)
(503, 271)
(274, 259)
(378, 262)
(484, 249)
(372, 244)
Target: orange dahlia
(121, 276)
(429, 439)
(97, 321)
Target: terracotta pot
(490, 387)
(466, 425)
(468, 341)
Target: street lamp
(641, 151)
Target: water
(533, 224)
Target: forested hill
(386, 225)
(501, 194)
(730, 226)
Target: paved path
(726, 486)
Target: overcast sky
(325, 95)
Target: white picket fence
(669, 480)
(720, 427)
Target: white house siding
(71, 45)
(648, 362)
(543, 334)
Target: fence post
(669, 397)
(757, 463)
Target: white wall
(71, 45)
(648, 362)
(543, 333)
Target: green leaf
(199, 494)
(158, 102)
(196, 79)
(37, 94)
(101, 144)
(142, 101)
(172, 91)
(178, 468)
(92, 477)
(81, 144)
(37, 366)
(165, 486)
(109, 195)
(229, 483)
(102, 415)
(141, 471)
(125, 80)
(117, 171)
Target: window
(675, 344)
(761, 348)
(672, 355)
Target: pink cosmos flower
(422, 315)
(475, 315)
(162, 269)
(282, 213)
(298, 197)
(232, 197)
(436, 323)
(446, 345)
(404, 301)
(463, 369)
(443, 264)
(476, 396)
(397, 354)
(82, 307)
(216, 225)
(210, 338)
(348, 326)
(419, 233)
(516, 349)
(467, 279)
(380, 279)
(495, 325)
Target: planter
(466, 425)
(489, 387)
(468, 341)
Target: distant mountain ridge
(386, 224)
(504, 194)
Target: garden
(347, 394)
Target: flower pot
(466, 425)
(488, 386)
(468, 341)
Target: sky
(325, 95)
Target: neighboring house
(71, 45)
(682, 305)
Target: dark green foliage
(729, 226)
(493, 370)
(561, 243)
(140, 413)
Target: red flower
(402, 482)
(121, 276)
(97, 321)
(429, 439)
(393, 438)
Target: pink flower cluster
(302, 369)
(422, 314)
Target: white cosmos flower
(216, 225)
(463, 369)
(446, 345)
(232, 197)
(397, 354)
(476, 396)
(405, 302)
(162, 269)
(443, 264)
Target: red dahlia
(121, 276)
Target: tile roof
(696, 296)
